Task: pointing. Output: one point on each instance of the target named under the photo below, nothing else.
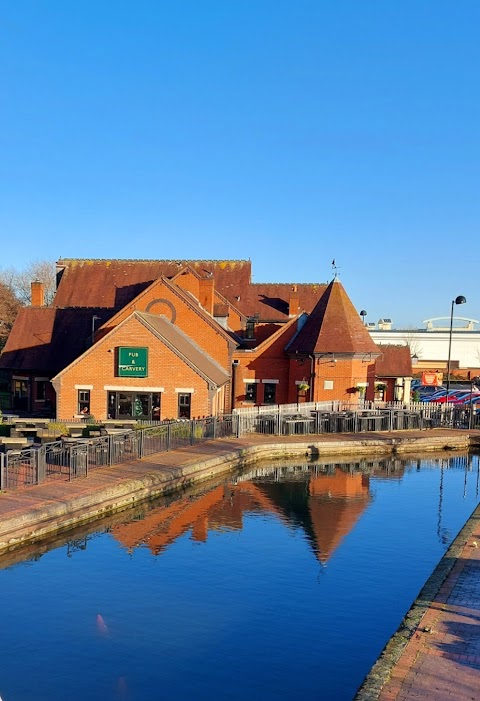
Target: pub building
(153, 339)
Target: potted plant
(303, 386)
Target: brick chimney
(206, 289)
(37, 293)
(293, 302)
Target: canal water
(283, 583)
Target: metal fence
(342, 417)
(68, 459)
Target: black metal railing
(68, 459)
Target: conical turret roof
(334, 326)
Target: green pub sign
(132, 362)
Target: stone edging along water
(105, 492)
(381, 671)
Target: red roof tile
(334, 326)
(271, 300)
(395, 361)
(48, 339)
(114, 283)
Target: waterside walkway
(33, 512)
(436, 652)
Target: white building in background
(430, 344)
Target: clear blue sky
(288, 132)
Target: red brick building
(168, 339)
(393, 374)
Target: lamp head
(460, 300)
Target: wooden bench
(13, 442)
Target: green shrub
(91, 427)
(58, 428)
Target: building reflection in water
(325, 501)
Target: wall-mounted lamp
(414, 359)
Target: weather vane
(335, 267)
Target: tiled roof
(395, 361)
(271, 300)
(334, 326)
(48, 339)
(114, 283)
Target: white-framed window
(83, 401)
(184, 405)
(251, 392)
(270, 393)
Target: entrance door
(125, 405)
(141, 406)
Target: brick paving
(441, 659)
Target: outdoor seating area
(297, 424)
(314, 421)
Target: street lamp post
(363, 314)
(458, 300)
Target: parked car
(466, 401)
(453, 396)
(430, 396)
(427, 391)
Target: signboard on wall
(132, 362)
(432, 378)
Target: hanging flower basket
(303, 387)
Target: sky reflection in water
(283, 583)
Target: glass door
(125, 405)
(142, 406)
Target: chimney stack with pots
(37, 293)
(293, 302)
(207, 291)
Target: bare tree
(20, 281)
(9, 306)
(15, 291)
(410, 339)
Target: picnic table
(297, 423)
